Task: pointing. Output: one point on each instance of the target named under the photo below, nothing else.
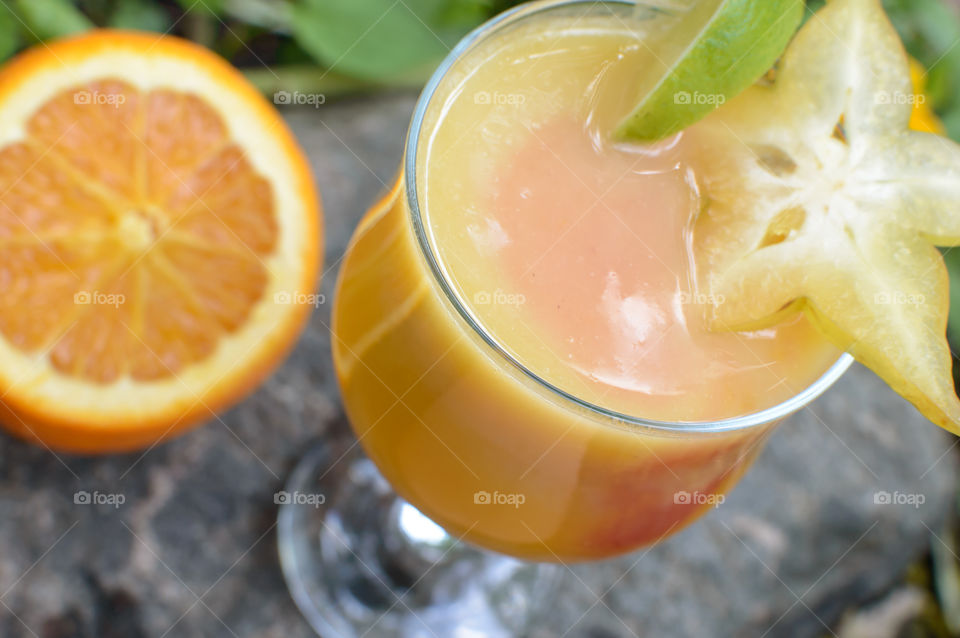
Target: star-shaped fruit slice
(821, 199)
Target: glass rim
(761, 417)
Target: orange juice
(518, 331)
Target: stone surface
(191, 550)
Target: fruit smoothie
(508, 338)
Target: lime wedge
(714, 50)
(822, 199)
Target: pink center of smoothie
(595, 239)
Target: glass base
(360, 561)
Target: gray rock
(191, 550)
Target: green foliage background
(388, 42)
(345, 45)
(289, 44)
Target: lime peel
(714, 51)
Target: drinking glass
(478, 480)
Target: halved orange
(159, 240)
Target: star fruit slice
(821, 199)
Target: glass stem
(411, 544)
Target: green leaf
(139, 14)
(9, 32)
(265, 14)
(51, 18)
(928, 26)
(210, 7)
(951, 120)
(47, 19)
(465, 13)
(374, 39)
(952, 258)
(929, 30)
(812, 7)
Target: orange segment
(183, 133)
(102, 115)
(149, 224)
(223, 201)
